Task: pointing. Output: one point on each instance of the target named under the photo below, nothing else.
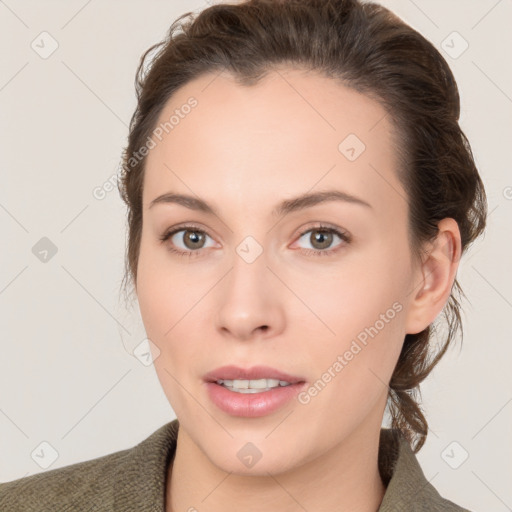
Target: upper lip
(253, 373)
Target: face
(317, 291)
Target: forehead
(292, 131)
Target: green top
(134, 480)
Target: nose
(249, 301)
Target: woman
(299, 196)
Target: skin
(244, 150)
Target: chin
(247, 455)
(265, 466)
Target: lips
(253, 373)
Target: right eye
(191, 237)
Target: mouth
(252, 392)
(257, 378)
(252, 386)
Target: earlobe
(435, 277)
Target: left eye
(322, 238)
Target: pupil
(194, 237)
(323, 238)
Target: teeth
(252, 386)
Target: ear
(434, 278)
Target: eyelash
(345, 237)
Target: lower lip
(252, 405)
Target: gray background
(67, 373)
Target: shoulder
(407, 487)
(118, 480)
(63, 486)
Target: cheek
(363, 319)
(161, 294)
(159, 291)
(170, 305)
(352, 369)
(354, 296)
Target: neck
(344, 478)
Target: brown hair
(367, 48)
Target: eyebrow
(287, 206)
